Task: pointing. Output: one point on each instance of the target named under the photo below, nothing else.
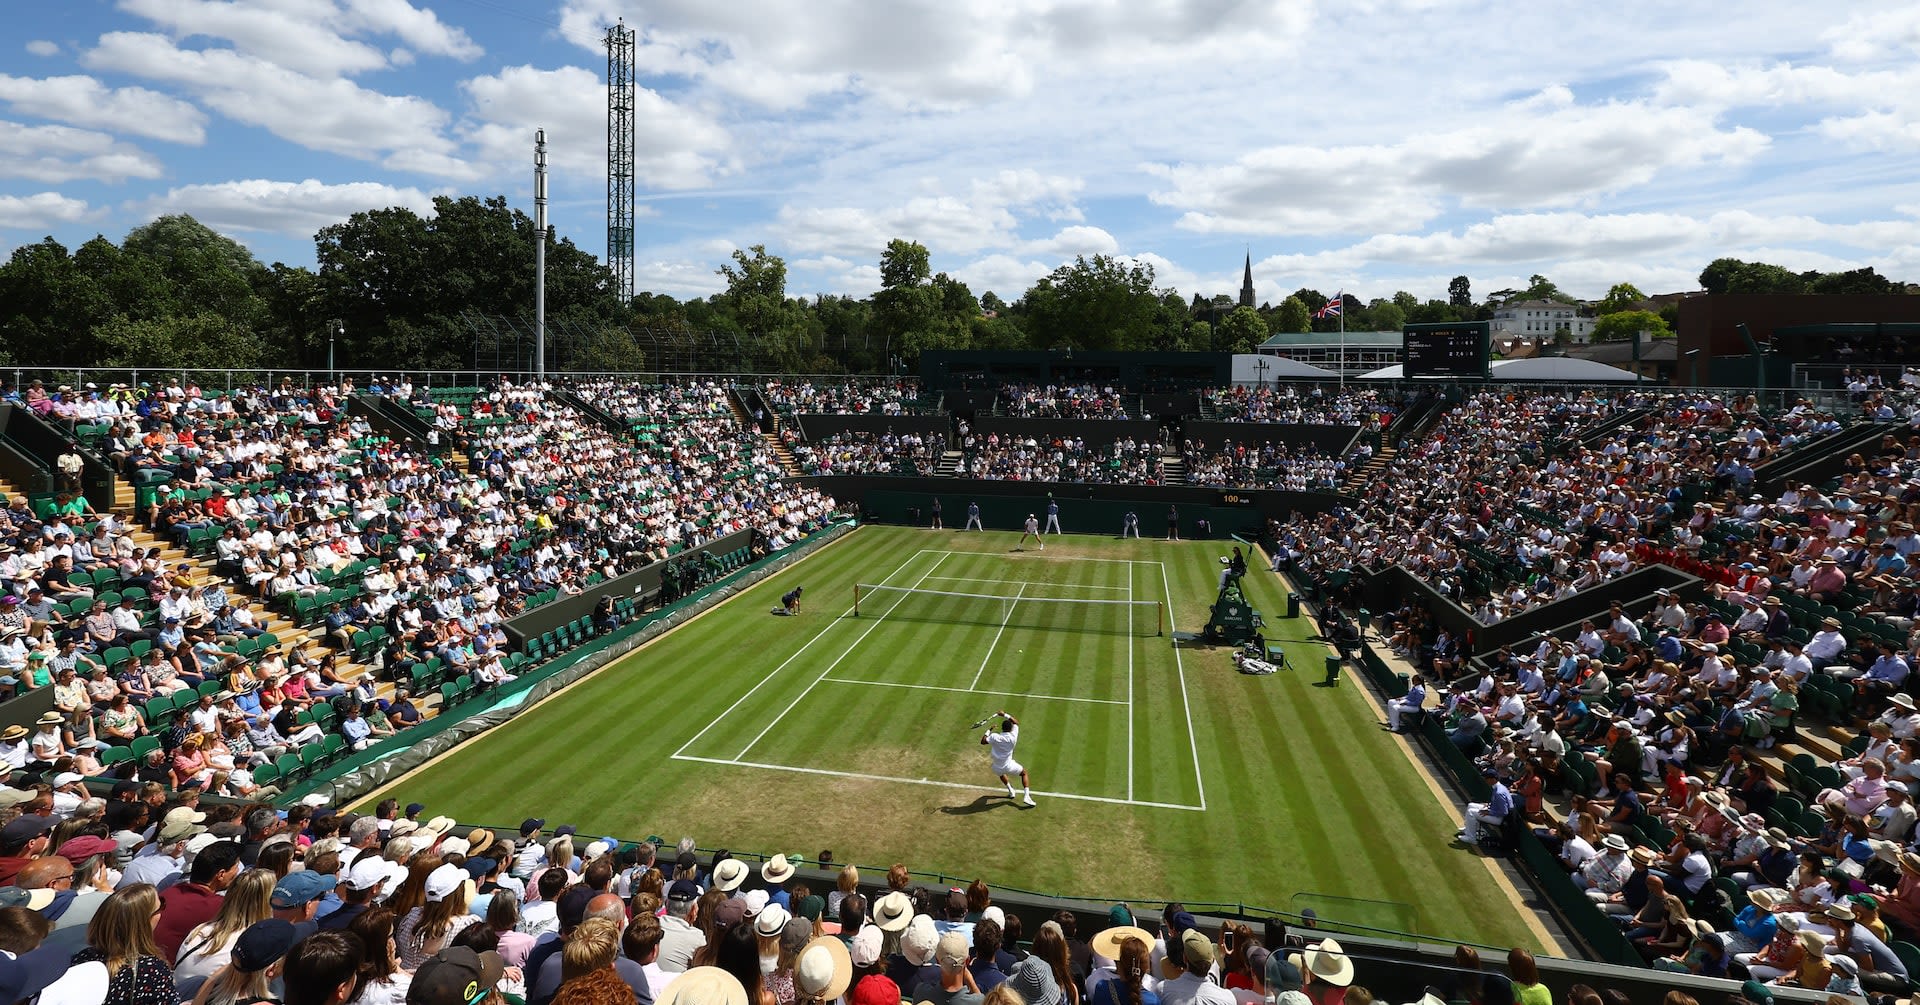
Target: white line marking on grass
(1011, 582)
(863, 776)
(1131, 643)
(1039, 557)
(844, 653)
(796, 654)
(968, 690)
(995, 644)
(1193, 741)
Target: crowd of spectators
(1268, 465)
(1071, 401)
(854, 396)
(867, 453)
(1366, 407)
(994, 457)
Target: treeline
(395, 289)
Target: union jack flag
(1332, 309)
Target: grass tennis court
(1159, 772)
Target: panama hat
(893, 912)
(1107, 943)
(705, 986)
(1328, 962)
(728, 875)
(823, 970)
(776, 870)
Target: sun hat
(823, 970)
(776, 870)
(50, 719)
(729, 874)
(479, 839)
(1107, 942)
(1616, 842)
(1032, 979)
(918, 941)
(1838, 911)
(1328, 962)
(1767, 898)
(771, 921)
(865, 948)
(893, 912)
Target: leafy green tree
(1093, 303)
(203, 339)
(1386, 316)
(1731, 275)
(1199, 337)
(1460, 293)
(1293, 317)
(1435, 312)
(1619, 297)
(1620, 326)
(1405, 301)
(1241, 331)
(1540, 287)
(1856, 281)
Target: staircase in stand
(788, 463)
(950, 464)
(1173, 468)
(1369, 472)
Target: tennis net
(1019, 610)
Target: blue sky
(1368, 146)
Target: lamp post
(1260, 366)
(335, 328)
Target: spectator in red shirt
(186, 906)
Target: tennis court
(1077, 648)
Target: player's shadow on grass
(986, 802)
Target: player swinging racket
(1032, 531)
(1001, 745)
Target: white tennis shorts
(1008, 767)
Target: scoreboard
(1458, 349)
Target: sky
(1363, 145)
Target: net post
(1159, 617)
(856, 600)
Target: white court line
(968, 690)
(1130, 647)
(1036, 555)
(862, 776)
(796, 655)
(1193, 741)
(1011, 582)
(844, 653)
(995, 644)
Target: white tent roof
(1539, 368)
(1246, 369)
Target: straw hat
(893, 912)
(776, 870)
(823, 970)
(705, 986)
(1328, 963)
(1107, 943)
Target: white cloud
(675, 146)
(1545, 150)
(292, 34)
(1876, 34)
(987, 218)
(783, 55)
(42, 209)
(420, 28)
(42, 47)
(292, 208)
(62, 153)
(334, 115)
(84, 101)
(1072, 242)
(677, 277)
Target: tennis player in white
(1001, 745)
(1032, 531)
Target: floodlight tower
(540, 254)
(620, 158)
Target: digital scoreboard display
(1457, 350)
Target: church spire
(1246, 284)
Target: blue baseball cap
(298, 889)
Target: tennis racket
(984, 720)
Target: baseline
(965, 786)
(968, 690)
(1020, 582)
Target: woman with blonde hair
(587, 976)
(849, 882)
(209, 946)
(121, 936)
(427, 929)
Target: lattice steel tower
(620, 157)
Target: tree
(1093, 303)
(1620, 296)
(1856, 281)
(1540, 287)
(1731, 275)
(1621, 326)
(1386, 316)
(1460, 293)
(1293, 317)
(199, 340)
(1241, 331)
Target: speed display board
(1453, 349)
